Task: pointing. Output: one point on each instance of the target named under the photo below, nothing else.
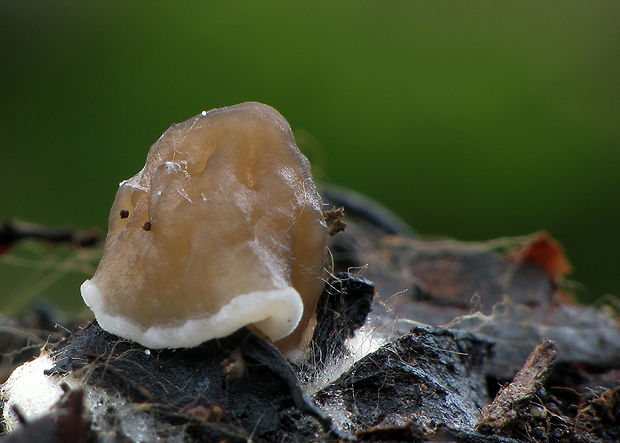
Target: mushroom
(221, 229)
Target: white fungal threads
(225, 229)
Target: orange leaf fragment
(546, 252)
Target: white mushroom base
(276, 313)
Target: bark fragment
(503, 411)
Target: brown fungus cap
(222, 228)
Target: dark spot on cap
(124, 213)
(147, 226)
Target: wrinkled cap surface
(222, 228)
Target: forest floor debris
(445, 325)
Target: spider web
(33, 270)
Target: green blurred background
(468, 119)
